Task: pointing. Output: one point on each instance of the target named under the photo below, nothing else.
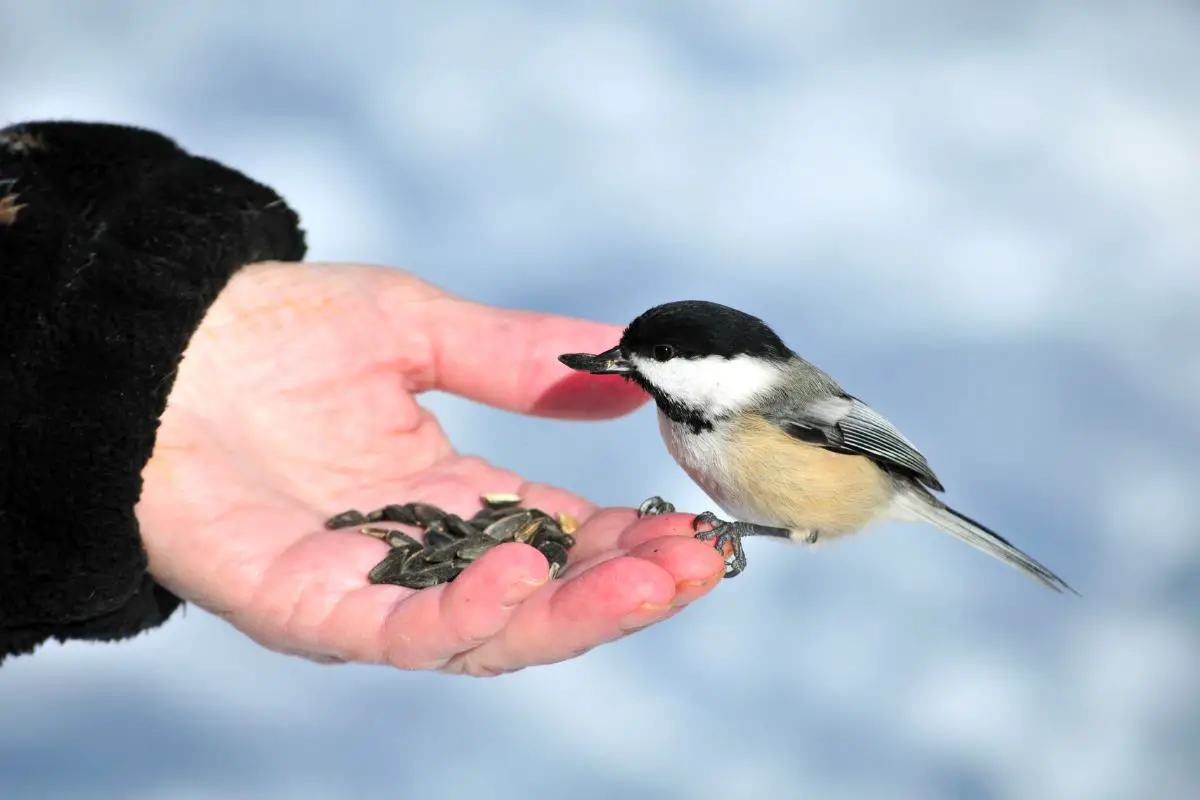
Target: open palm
(297, 399)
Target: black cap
(699, 328)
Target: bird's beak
(610, 362)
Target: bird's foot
(653, 506)
(730, 534)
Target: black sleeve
(113, 244)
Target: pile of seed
(452, 543)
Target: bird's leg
(732, 533)
(653, 506)
(723, 532)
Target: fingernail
(685, 591)
(520, 590)
(658, 617)
(706, 582)
(643, 615)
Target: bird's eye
(663, 352)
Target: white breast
(704, 457)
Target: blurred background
(983, 218)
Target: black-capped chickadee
(773, 440)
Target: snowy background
(982, 218)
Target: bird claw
(724, 534)
(654, 506)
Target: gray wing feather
(847, 425)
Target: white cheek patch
(712, 384)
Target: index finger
(509, 359)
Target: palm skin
(296, 399)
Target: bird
(774, 441)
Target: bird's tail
(923, 506)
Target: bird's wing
(845, 424)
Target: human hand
(297, 399)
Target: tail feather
(977, 535)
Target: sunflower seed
(484, 517)
(425, 577)
(530, 531)
(393, 537)
(556, 534)
(438, 555)
(469, 550)
(459, 527)
(452, 543)
(427, 514)
(438, 538)
(395, 565)
(505, 527)
(500, 500)
(393, 513)
(556, 554)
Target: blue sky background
(983, 220)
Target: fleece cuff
(113, 244)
